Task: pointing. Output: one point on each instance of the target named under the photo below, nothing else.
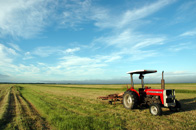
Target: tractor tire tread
(134, 97)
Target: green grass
(77, 107)
(71, 112)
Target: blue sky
(96, 40)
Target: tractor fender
(131, 89)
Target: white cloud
(23, 73)
(6, 54)
(83, 62)
(149, 42)
(189, 33)
(179, 47)
(72, 50)
(125, 41)
(110, 58)
(77, 67)
(46, 51)
(27, 56)
(133, 44)
(27, 69)
(74, 12)
(9, 67)
(130, 39)
(41, 64)
(14, 46)
(21, 18)
(28, 18)
(70, 66)
(140, 55)
(119, 39)
(129, 16)
(77, 12)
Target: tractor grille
(170, 100)
(168, 92)
(169, 97)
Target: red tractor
(154, 98)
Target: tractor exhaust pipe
(162, 81)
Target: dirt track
(20, 113)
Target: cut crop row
(71, 112)
(20, 114)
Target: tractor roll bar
(141, 72)
(132, 84)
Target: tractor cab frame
(141, 75)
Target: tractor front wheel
(155, 109)
(130, 100)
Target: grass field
(48, 106)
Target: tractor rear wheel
(155, 109)
(130, 100)
(176, 108)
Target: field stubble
(18, 113)
(77, 107)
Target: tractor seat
(146, 87)
(141, 90)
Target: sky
(97, 41)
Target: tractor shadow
(186, 105)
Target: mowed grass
(77, 107)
